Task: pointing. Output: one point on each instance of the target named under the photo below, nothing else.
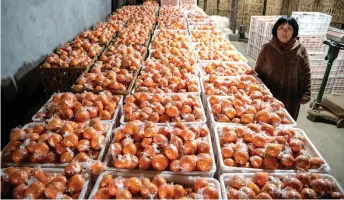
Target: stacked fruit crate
(260, 33)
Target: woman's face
(284, 32)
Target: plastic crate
(83, 194)
(316, 55)
(253, 51)
(222, 56)
(158, 89)
(262, 40)
(212, 121)
(268, 31)
(252, 37)
(44, 109)
(313, 28)
(311, 17)
(261, 25)
(318, 66)
(186, 181)
(308, 147)
(313, 43)
(109, 158)
(264, 24)
(225, 180)
(249, 50)
(254, 23)
(340, 71)
(253, 40)
(197, 100)
(103, 149)
(223, 69)
(312, 23)
(338, 86)
(316, 83)
(265, 29)
(258, 40)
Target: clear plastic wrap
(276, 189)
(152, 148)
(257, 143)
(102, 146)
(185, 181)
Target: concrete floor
(327, 138)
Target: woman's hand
(304, 100)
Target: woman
(283, 66)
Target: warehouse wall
(31, 29)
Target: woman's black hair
(286, 20)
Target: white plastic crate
(312, 23)
(262, 40)
(258, 41)
(313, 43)
(265, 28)
(261, 26)
(254, 40)
(313, 28)
(316, 55)
(318, 66)
(254, 23)
(316, 83)
(338, 86)
(252, 37)
(265, 25)
(226, 178)
(311, 17)
(258, 23)
(268, 31)
(308, 147)
(253, 51)
(340, 71)
(249, 50)
(185, 181)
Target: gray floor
(327, 138)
